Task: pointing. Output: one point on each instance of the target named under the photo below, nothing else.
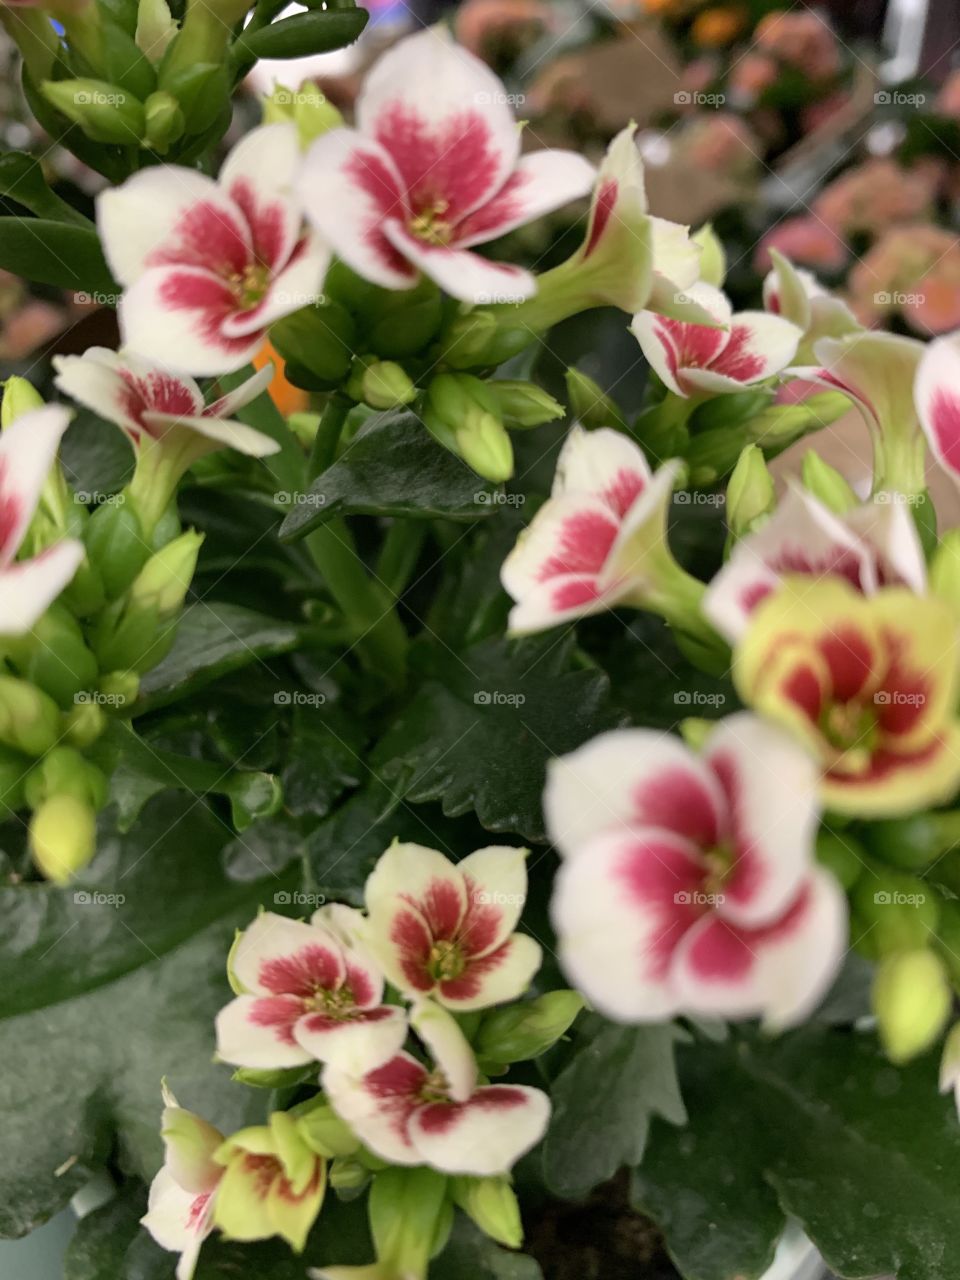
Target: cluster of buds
(435, 956)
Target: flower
(432, 169)
(307, 993)
(689, 884)
(874, 545)
(801, 39)
(867, 683)
(207, 266)
(876, 194)
(913, 269)
(799, 297)
(28, 449)
(807, 240)
(447, 930)
(180, 1207)
(409, 1115)
(937, 397)
(735, 352)
(599, 541)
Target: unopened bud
(164, 121)
(121, 687)
(492, 1204)
(105, 112)
(19, 397)
(713, 259)
(524, 404)
(912, 1001)
(381, 384)
(64, 771)
(525, 1030)
(163, 582)
(485, 446)
(29, 718)
(589, 404)
(84, 723)
(348, 1175)
(750, 492)
(307, 107)
(62, 837)
(827, 484)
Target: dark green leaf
(603, 1102)
(306, 33)
(393, 467)
(324, 760)
(56, 253)
(469, 1253)
(22, 180)
(818, 1125)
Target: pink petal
(759, 346)
(496, 883)
(442, 115)
(780, 971)
(460, 273)
(29, 587)
(379, 1105)
(877, 370)
(561, 599)
(602, 464)
(635, 778)
(359, 1040)
(96, 381)
(770, 785)
(258, 1032)
(485, 1136)
(672, 347)
(349, 188)
(28, 448)
(937, 392)
(568, 536)
(540, 183)
(620, 910)
(258, 177)
(494, 978)
(279, 957)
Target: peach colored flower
(948, 99)
(877, 194)
(806, 241)
(752, 75)
(913, 271)
(718, 26)
(488, 27)
(719, 143)
(29, 327)
(802, 39)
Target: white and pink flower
(736, 351)
(689, 884)
(447, 930)
(150, 403)
(798, 296)
(208, 265)
(180, 1207)
(599, 541)
(873, 545)
(937, 395)
(308, 994)
(432, 170)
(409, 1114)
(28, 449)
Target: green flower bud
(912, 1001)
(54, 656)
(589, 405)
(729, 411)
(910, 844)
(322, 1130)
(155, 28)
(902, 910)
(381, 384)
(492, 1204)
(84, 723)
(695, 730)
(164, 121)
(116, 545)
(29, 718)
(485, 446)
(409, 1215)
(713, 258)
(19, 397)
(62, 834)
(463, 414)
(120, 688)
(201, 88)
(524, 404)
(306, 107)
(527, 1029)
(827, 484)
(64, 771)
(750, 492)
(105, 112)
(348, 1176)
(317, 344)
(713, 454)
(399, 323)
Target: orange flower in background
(752, 75)
(877, 194)
(802, 39)
(913, 271)
(288, 398)
(717, 27)
(484, 25)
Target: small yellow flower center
(250, 285)
(851, 729)
(430, 225)
(446, 961)
(334, 1003)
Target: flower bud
(485, 446)
(105, 112)
(64, 771)
(527, 1029)
(316, 341)
(122, 687)
(463, 414)
(116, 545)
(408, 1213)
(750, 492)
(589, 405)
(841, 855)
(54, 656)
(348, 1175)
(827, 484)
(901, 911)
(29, 718)
(524, 404)
(84, 723)
(62, 836)
(711, 455)
(381, 384)
(492, 1204)
(307, 107)
(19, 397)
(164, 121)
(912, 1001)
(713, 259)
(323, 1131)
(155, 28)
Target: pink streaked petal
(620, 910)
(219, 433)
(277, 956)
(484, 1136)
(562, 599)
(28, 448)
(495, 978)
(632, 777)
(95, 381)
(176, 315)
(877, 370)
(178, 1220)
(937, 393)
(602, 464)
(230, 402)
(359, 1041)
(779, 972)
(29, 587)
(258, 176)
(496, 884)
(295, 286)
(770, 785)
(570, 535)
(258, 1032)
(410, 875)
(540, 183)
(759, 346)
(889, 532)
(463, 274)
(378, 1106)
(672, 347)
(349, 188)
(443, 116)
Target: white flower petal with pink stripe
(305, 997)
(593, 544)
(875, 545)
(937, 395)
(679, 865)
(433, 169)
(28, 449)
(207, 265)
(446, 930)
(151, 403)
(698, 359)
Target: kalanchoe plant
(512, 766)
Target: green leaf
(392, 468)
(324, 760)
(22, 180)
(479, 731)
(818, 1125)
(603, 1101)
(306, 33)
(105, 986)
(469, 1253)
(212, 640)
(55, 253)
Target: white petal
(297, 285)
(485, 1136)
(876, 369)
(29, 587)
(569, 535)
(759, 346)
(463, 274)
(94, 381)
(889, 530)
(258, 176)
(177, 1220)
(222, 433)
(937, 394)
(379, 1105)
(495, 978)
(496, 883)
(232, 401)
(257, 1032)
(449, 1047)
(541, 182)
(28, 448)
(355, 1044)
(603, 464)
(276, 956)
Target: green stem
(399, 554)
(324, 448)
